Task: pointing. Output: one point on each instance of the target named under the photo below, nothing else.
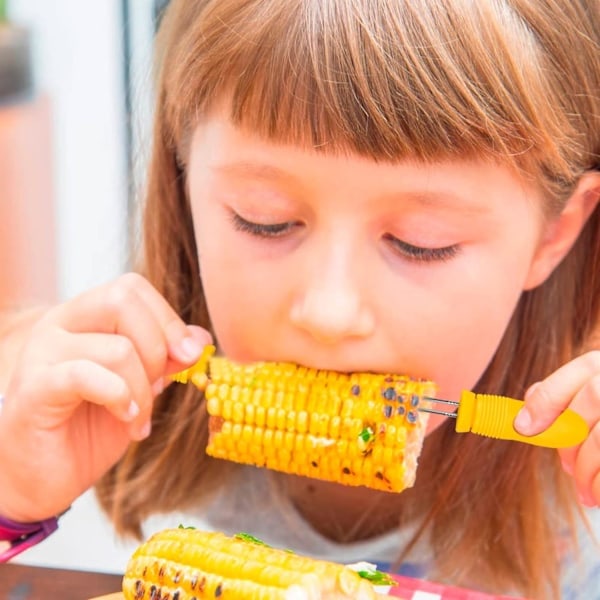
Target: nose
(332, 306)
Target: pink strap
(24, 535)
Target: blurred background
(75, 112)
(75, 118)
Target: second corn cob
(352, 428)
(188, 564)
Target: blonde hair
(513, 80)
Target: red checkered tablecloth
(415, 589)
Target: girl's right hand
(83, 388)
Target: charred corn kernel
(333, 418)
(183, 564)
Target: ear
(561, 232)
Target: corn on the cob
(190, 564)
(352, 428)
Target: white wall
(78, 62)
(141, 35)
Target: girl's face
(339, 262)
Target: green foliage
(377, 577)
(246, 537)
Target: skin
(333, 289)
(83, 389)
(321, 283)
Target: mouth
(349, 367)
(334, 362)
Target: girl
(373, 185)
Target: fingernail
(158, 386)
(190, 348)
(567, 468)
(585, 500)
(133, 410)
(523, 421)
(144, 430)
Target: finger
(545, 400)
(202, 339)
(137, 325)
(587, 469)
(183, 351)
(80, 381)
(185, 342)
(596, 489)
(191, 346)
(64, 387)
(587, 403)
(118, 354)
(131, 306)
(114, 354)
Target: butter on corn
(361, 429)
(191, 564)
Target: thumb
(539, 411)
(191, 347)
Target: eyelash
(262, 230)
(419, 254)
(408, 251)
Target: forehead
(237, 154)
(390, 81)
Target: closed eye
(421, 254)
(263, 230)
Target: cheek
(450, 338)
(472, 314)
(248, 293)
(242, 300)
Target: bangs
(385, 80)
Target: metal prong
(437, 412)
(452, 402)
(433, 411)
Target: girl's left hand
(575, 385)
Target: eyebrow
(442, 199)
(438, 199)
(253, 169)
